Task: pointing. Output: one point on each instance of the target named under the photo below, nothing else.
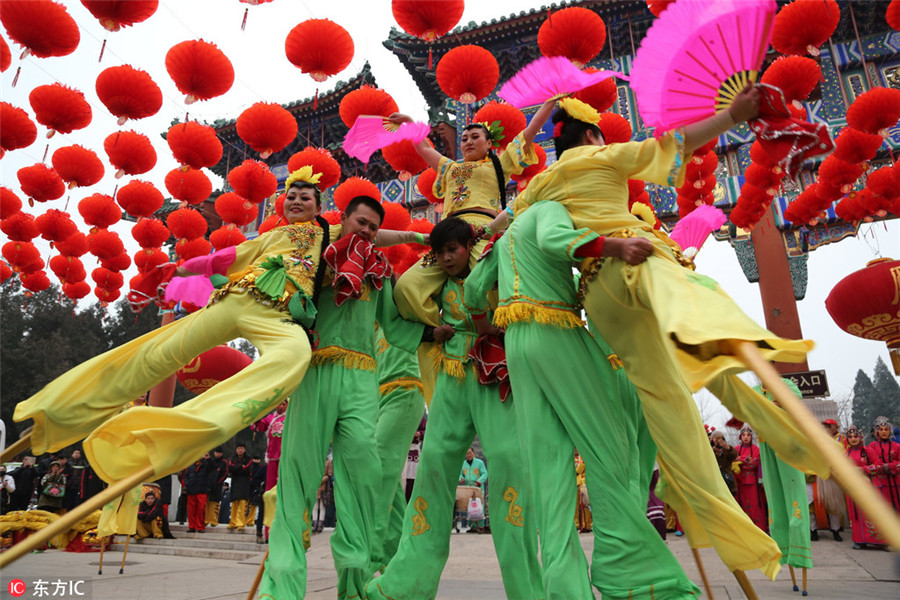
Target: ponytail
(501, 178)
(320, 269)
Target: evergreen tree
(887, 391)
(864, 401)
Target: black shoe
(814, 536)
(259, 539)
(837, 536)
(192, 531)
(858, 546)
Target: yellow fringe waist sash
(406, 383)
(349, 359)
(520, 311)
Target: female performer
(750, 493)
(863, 530)
(886, 454)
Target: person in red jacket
(886, 454)
(750, 494)
(862, 529)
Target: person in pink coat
(750, 494)
(272, 424)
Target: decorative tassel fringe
(451, 366)
(406, 383)
(521, 312)
(349, 359)
(16, 78)
(102, 49)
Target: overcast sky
(263, 73)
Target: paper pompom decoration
(199, 69)
(35, 282)
(875, 111)
(119, 262)
(854, 146)
(188, 249)
(9, 203)
(266, 127)
(427, 19)
(131, 153)
(55, 225)
(128, 93)
(234, 209)
(404, 159)
(75, 245)
(20, 254)
(188, 185)
(511, 119)
(18, 130)
(186, 223)
(194, 145)
(76, 291)
(425, 185)
(5, 55)
(467, 73)
(139, 198)
(115, 14)
(105, 244)
(253, 180)
(58, 107)
(615, 128)
(802, 26)
(19, 227)
(68, 269)
(576, 33)
(99, 210)
(796, 76)
(367, 100)
(226, 236)
(395, 217)
(319, 47)
(44, 28)
(321, 161)
(353, 187)
(40, 183)
(77, 166)
(150, 233)
(149, 258)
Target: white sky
(263, 73)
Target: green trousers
(459, 410)
(573, 395)
(399, 413)
(333, 405)
(788, 508)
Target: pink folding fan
(371, 133)
(547, 77)
(697, 56)
(691, 231)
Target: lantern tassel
(102, 49)
(46, 148)
(16, 78)
(429, 57)
(244, 22)
(316, 100)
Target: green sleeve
(399, 332)
(556, 235)
(481, 280)
(484, 475)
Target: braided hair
(495, 160)
(320, 269)
(568, 131)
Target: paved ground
(472, 572)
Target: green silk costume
(574, 393)
(336, 404)
(460, 408)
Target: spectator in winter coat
(240, 468)
(196, 484)
(25, 477)
(214, 491)
(149, 517)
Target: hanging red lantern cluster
(23, 257)
(40, 183)
(199, 69)
(5, 271)
(575, 32)
(34, 282)
(188, 226)
(510, 118)
(880, 196)
(875, 111)
(266, 127)
(58, 107)
(212, 367)
(795, 76)
(226, 236)
(131, 153)
(128, 93)
(77, 166)
(194, 145)
(105, 244)
(108, 284)
(150, 234)
(854, 146)
(467, 73)
(55, 225)
(425, 185)
(353, 187)
(139, 198)
(320, 161)
(76, 245)
(319, 47)
(699, 182)
(100, 211)
(42, 27)
(802, 26)
(367, 100)
(403, 158)
(601, 95)
(19, 227)
(253, 180)
(115, 14)
(68, 269)
(10, 204)
(188, 185)
(18, 130)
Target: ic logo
(16, 588)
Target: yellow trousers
(251, 515)
(148, 529)
(170, 439)
(665, 323)
(238, 514)
(211, 516)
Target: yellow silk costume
(666, 322)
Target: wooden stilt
(804, 581)
(17, 447)
(703, 574)
(745, 585)
(258, 578)
(844, 473)
(66, 522)
(102, 546)
(794, 578)
(124, 554)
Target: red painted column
(776, 287)
(163, 394)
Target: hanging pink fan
(691, 231)
(547, 77)
(371, 133)
(697, 56)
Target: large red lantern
(188, 185)
(875, 111)
(427, 19)
(425, 185)
(600, 95)
(867, 304)
(77, 290)
(468, 73)
(199, 69)
(321, 161)
(105, 244)
(802, 26)
(396, 217)
(68, 268)
(253, 180)
(226, 236)
(128, 93)
(77, 166)
(131, 153)
(44, 28)
(510, 118)
(194, 145)
(55, 225)
(139, 198)
(40, 183)
(319, 47)
(19, 227)
(115, 14)
(75, 245)
(58, 107)
(9, 203)
(796, 76)
(576, 33)
(186, 224)
(353, 187)
(150, 233)
(211, 367)
(367, 100)
(266, 127)
(403, 158)
(99, 210)
(234, 209)
(18, 130)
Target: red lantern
(796, 76)
(658, 6)
(367, 100)
(271, 222)
(427, 19)
(107, 295)
(194, 144)
(77, 290)
(854, 146)
(128, 93)
(468, 73)
(802, 26)
(253, 180)
(865, 304)
(211, 367)
(58, 107)
(425, 185)
(226, 236)
(19, 227)
(511, 119)
(68, 269)
(188, 249)
(532, 170)
(319, 47)
(266, 127)
(99, 210)
(139, 198)
(9, 203)
(149, 258)
(186, 224)
(35, 282)
(422, 226)
(875, 111)
(615, 128)
(77, 165)
(150, 233)
(107, 279)
(42, 27)
(279, 204)
(893, 15)
(40, 183)
(5, 55)
(395, 217)
(105, 244)
(321, 161)
(18, 129)
(332, 216)
(20, 254)
(188, 185)
(404, 159)
(882, 182)
(353, 187)
(576, 33)
(75, 245)
(117, 263)
(199, 69)
(115, 14)
(131, 153)
(234, 209)
(55, 225)
(835, 172)
(600, 95)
